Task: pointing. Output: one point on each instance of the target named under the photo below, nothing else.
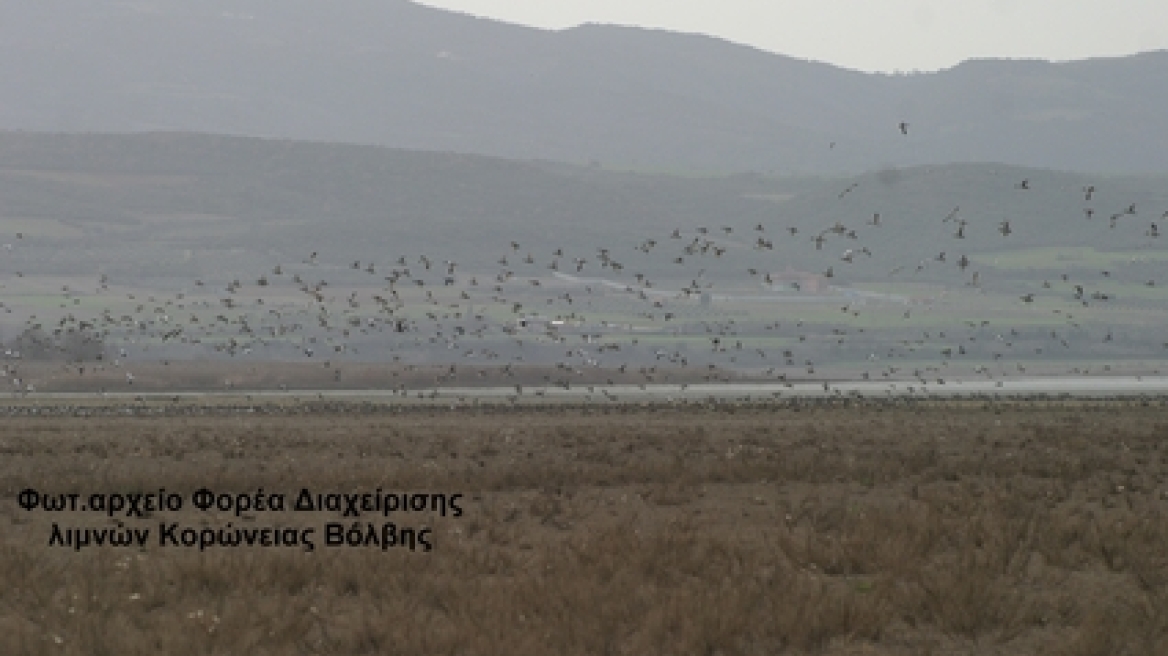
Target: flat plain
(820, 527)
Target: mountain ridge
(138, 202)
(406, 75)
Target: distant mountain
(184, 205)
(130, 203)
(394, 73)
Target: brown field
(824, 528)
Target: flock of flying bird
(424, 312)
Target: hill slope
(200, 205)
(399, 74)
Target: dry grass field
(827, 528)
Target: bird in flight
(903, 127)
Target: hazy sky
(873, 35)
